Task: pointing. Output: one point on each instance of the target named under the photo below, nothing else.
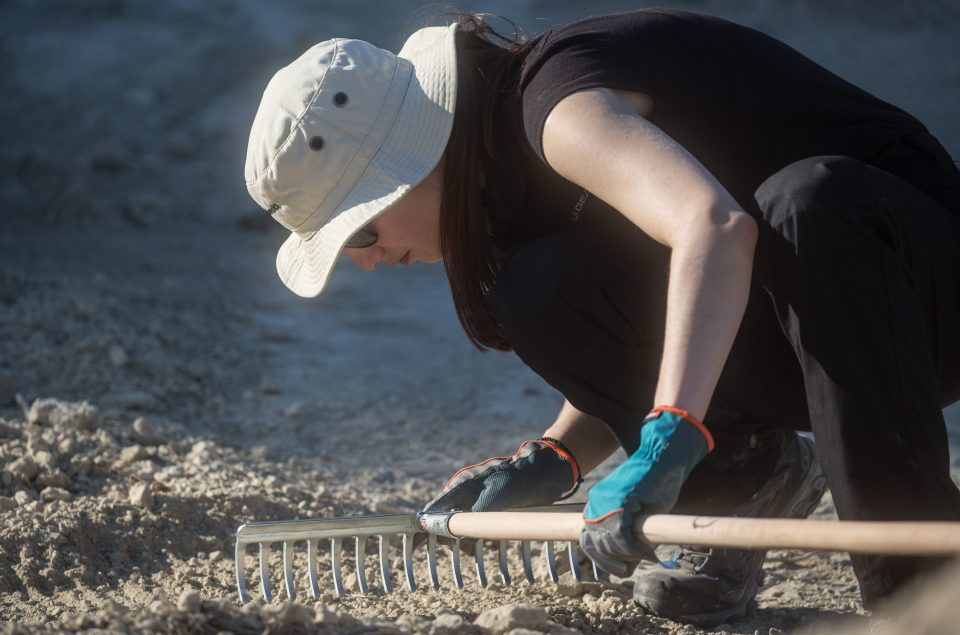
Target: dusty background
(159, 386)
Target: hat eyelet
(316, 143)
(340, 100)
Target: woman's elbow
(742, 228)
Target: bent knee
(819, 188)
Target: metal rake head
(295, 535)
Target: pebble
(189, 601)
(35, 444)
(410, 623)
(133, 453)
(45, 459)
(502, 619)
(51, 494)
(22, 497)
(53, 412)
(447, 622)
(53, 478)
(145, 432)
(325, 616)
(24, 468)
(141, 496)
(7, 503)
(568, 589)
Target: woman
(663, 210)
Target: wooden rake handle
(915, 538)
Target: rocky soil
(159, 387)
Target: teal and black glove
(541, 472)
(672, 442)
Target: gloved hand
(672, 442)
(541, 472)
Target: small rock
(447, 622)
(118, 356)
(141, 496)
(24, 468)
(53, 478)
(189, 601)
(53, 412)
(35, 444)
(22, 497)
(45, 459)
(213, 556)
(501, 619)
(198, 451)
(409, 623)
(133, 453)
(323, 615)
(145, 432)
(290, 615)
(51, 494)
(7, 503)
(568, 589)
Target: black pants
(852, 330)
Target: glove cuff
(689, 418)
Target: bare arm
(597, 140)
(588, 438)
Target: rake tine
(265, 571)
(288, 569)
(504, 571)
(478, 557)
(455, 564)
(574, 561)
(385, 563)
(335, 562)
(240, 552)
(360, 546)
(312, 546)
(432, 560)
(598, 574)
(527, 563)
(408, 561)
(552, 561)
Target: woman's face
(409, 231)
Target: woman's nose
(366, 258)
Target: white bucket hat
(343, 133)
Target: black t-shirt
(743, 103)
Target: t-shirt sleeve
(636, 52)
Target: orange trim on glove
(602, 518)
(553, 446)
(690, 419)
(562, 452)
(468, 467)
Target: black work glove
(541, 472)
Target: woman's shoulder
(654, 22)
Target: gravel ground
(159, 386)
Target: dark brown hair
(485, 64)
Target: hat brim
(410, 151)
